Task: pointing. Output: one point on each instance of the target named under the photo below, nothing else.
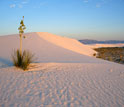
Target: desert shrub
(115, 54)
(109, 58)
(94, 54)
(22, 60)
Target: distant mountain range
(90, 41)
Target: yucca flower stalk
(21, 31)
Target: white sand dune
(67, 43)
(47, 48)
(105, 45)
(65, 76)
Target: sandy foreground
(65, 75)
(63, 85)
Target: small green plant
(22, 60)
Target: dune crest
(47, 48)
(67, 43)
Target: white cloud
(102, 3)
(12, 6)
(98, 5)
(24, 2)
(20, 6)
(39, 5)
(86, 1)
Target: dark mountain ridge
(90, 41)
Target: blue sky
(80, 19)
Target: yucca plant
(22, 60)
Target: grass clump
(22, 60)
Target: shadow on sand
(5, 63)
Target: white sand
(105, 45)
(66, 75)
(47, 50)
(67, 43)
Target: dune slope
(67, 43)
(47, 48)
